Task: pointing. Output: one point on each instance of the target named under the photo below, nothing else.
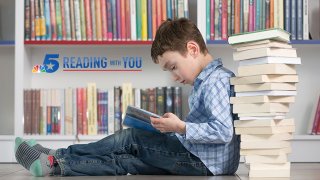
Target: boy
(203, 144)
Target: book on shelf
(265, 87)
(277, 151)
(139, 118)
(264, 78)
(264, 122)
(262, 99)
(274, 34)
(260, 107)
(314, 122)
(270, 60)
(263, 52)
(266, 69)
(268, 43)
(265, 137)
(97, 20)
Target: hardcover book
(139, 118)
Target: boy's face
(184, 69)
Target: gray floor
(303, 171)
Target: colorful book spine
(128, 21)
(83, 21)
(93, 20)
(117, 109)
(32, 21)
(42, 21)
(299, 20)
(123, 20)
(149, 18)
(186, 9)
(271, 18)
(37, 20)
(164, 10)
(208, 19)
(63, 21)
(88, 20)
(58, 20)
(169, 99)
(267, 10)
(111, 111)
(98, 20)
(169, 9)
(160, 101)
(85, 111)
(77, 20)
(180, 8)
(72, 21)
(67, 19)
(118, 18)
(114, 20)
(216, 20)
(177, 98)
(92, 109)
(293, 20)
(104, 27)
(257, 15)
(245, 15)
(53, 20)
(139, 19)
(305, 20)
(109, 20)
(224, 23)
(211, 19)
(133, 20)
(154, 19)
(144, 30)
(27, 19)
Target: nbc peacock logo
(50, 64)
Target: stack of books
(265, 87)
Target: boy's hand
(169, 123)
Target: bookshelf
(25, 54)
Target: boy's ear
(193, 48)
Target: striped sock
(39, 164)
(33, 143)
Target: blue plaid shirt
(209, 124)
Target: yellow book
(98, 20)
(262, 99)
(266, 69)
(264, 79)
(144, 30)
(92, 109)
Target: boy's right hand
(169, 122)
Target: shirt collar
(208, 70)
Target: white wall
(7, 19)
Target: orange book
(128, 21)
(271, 13)
(98, 20)
(123, 19)
(159, 12)
(164, 10)
(237, 16)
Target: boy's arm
(219, 126)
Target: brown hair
(173, 35)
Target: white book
(282, 158)
(267, 93)
(305, 19)
(261, 44)
(67, 19)
(137, 97)
(261, 107)
(110, 111)
(266, 137)
(261, 114)
(244, 118)
(265, 87)
(77, 20)
(264, 145)
(264, 170)
(263, 52)
(245, 152)
(264, 122)
(270, 60)
(133, 19)
(261, 99)
(266, 69)
(265, 130)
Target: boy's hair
(173, 35)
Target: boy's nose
(175, 77)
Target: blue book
(139, 118)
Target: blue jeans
(130, 151)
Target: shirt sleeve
(219, 127)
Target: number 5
(50, 62)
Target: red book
(316, 121)
(123, 19)
(79, 111)
(53, 20)
(64, 33)
(251, 15)
(224, 23)
(237, 16)
(88, 19)
(104, 20)
(159, 12)
(128, 21)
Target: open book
(139, 118)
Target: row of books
(265, 87)
(229, 17)
(101, 20)
(92, 111)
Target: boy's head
(179, 48)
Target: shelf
(6, 43)
(213, 42)
(306, 137)
(85, 43)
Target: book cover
(265, 87)
(262, 99)
(139, 118)
(263, 52)
(266, 69)
(270, 60)
(271, 78)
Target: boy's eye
(173, 68)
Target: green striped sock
(39, 164)
(33, 143)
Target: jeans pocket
(190, 169)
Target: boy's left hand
(169, 122)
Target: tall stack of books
(265, 87)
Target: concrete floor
(299, 171)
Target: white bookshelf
(25, 56)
